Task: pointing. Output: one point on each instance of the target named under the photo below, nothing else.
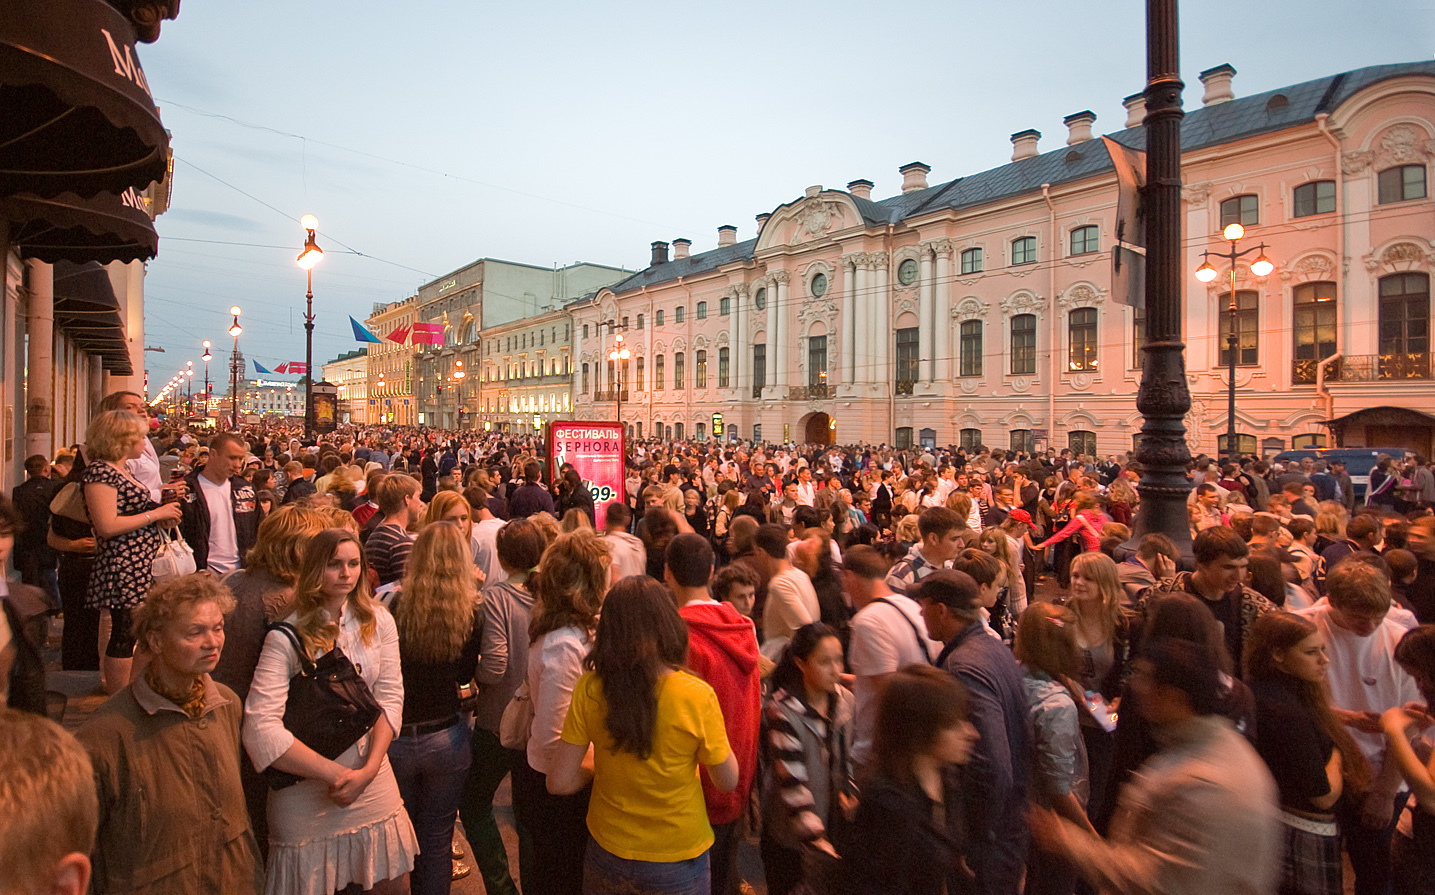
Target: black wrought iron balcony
(904, 386)
(611, 394)
(1385, 367)
(809, 392)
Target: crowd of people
(896, 671)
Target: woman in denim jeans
(440, 622)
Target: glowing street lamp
(310, 256)
(234, 330)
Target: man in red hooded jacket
(722, 650)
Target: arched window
(1081, 442)
(1313, 330)
(1021, 440)
(640, 321)
(700, 372)
(678, 314)
(658, 373)
(1402, 184)
(971, 439)
(1081, 338)
(1023, 345)
(678, 358)
(658, 317)
(1085, 240)
(677, 431)
(1244, 210)
(971, 261)
(584, 390)
(903, 437)
(640, 374)
(702, 312)
(1405, 326)
(699, 431)
(1316, 197)
(1023, 250)
(725, 306)
(723, 362)
(1247, 327)
(971, 348)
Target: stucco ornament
(1402, 252)
(1196, 194)
(1403, 144)
(1356, 161)
(816, 217)
(1022, 303)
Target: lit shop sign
(596, 451)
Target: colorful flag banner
(361, 334)
(428, 333)
(298, 368)
(259, 368)
(282, 368)
(399, 335)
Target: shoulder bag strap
(306, 664)
(921, 641)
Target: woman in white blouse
(344, 824)
(572, 580)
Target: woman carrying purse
(344, 823)
(124, 517)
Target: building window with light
(971, 348)
(1313, 332)
(1021, 441)
(1081, 334)
(1247, 327)
(584, 390)
(722, 367)
(971, 439)
(1081, 442)
(640, 374)
(1023, 250)
(1023, 345)
(816, 360)
(1085, 240)
(1405, 326)
(1243, 210)
(700, 373)
(678, 360)
(759, 368)
(1316, 197)
(658, 384)
(971, 261)
(907, 359)
(1402, 184)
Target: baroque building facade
(985, 310)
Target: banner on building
(427, 334)
(596, 450)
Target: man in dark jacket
(998, 779)
(530, 497)
(221, 516)
(34, 557)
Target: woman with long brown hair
(344, 823)
(572, 579)
(651, 725)
(440, 620)
(1308, 750)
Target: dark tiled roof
(1225, 122)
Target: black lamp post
(206, 358)
(310, 256)
(1261, 267)
(235, 330)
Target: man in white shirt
(888, 634)
(806, 490)
(484, 542)
(221, 517)
(1365, 680)
(791, 600)
(628, 555)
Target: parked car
(1358, 461)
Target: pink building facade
(984, 310)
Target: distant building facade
(981, 310)
(525, 372)
(349, 373)
(391, 364)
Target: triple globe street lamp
(1261, 267)
(619, 355)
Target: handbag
(517, 720)
(175, 557)
(69, 502)
(329, 706)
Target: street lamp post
(619, 356)
(310, 256)
(189, 388)
(206, 358)
(1261, 267)
(234, 330)
(458, 375)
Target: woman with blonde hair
(126, 521)
(450, 506)
(575, 520)
(572, 580)
(439, 616)
(344, 822)
(999, 544)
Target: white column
(39, 390)
(846, 345)
(882, 325)
(737, 365)
(781, 325)
(942, 367)
(863, 324)
(925, 324)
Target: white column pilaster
(847, 346)
(942, 368)
(925, 323)
(882, 328)
(40, 364)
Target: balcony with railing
(810, 392)
(1389, 367)
(757, 391)
(611, 394)
(905, 386)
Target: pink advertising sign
(596, 450)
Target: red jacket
(722, 650)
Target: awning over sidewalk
(103, 228)
(87, 310)
(75, 109)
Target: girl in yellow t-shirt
(650, 724)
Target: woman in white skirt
(342, 828)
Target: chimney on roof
(762, 221)
(682, 248)
(1218, 84)
(1079, 126)
(914, 176)
(862, 189)
(727, 235)
(1135, 109)
(660, 253)
(1023, 144)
